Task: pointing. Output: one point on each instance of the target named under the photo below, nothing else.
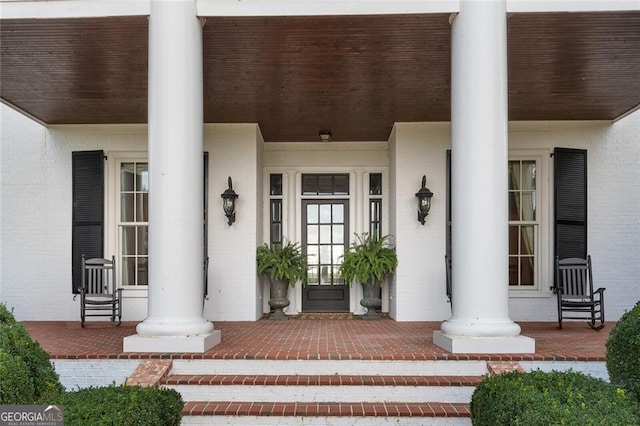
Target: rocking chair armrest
(600, 290)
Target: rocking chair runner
(574, 290)
(99, 296)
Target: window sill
(529, 294)
(131, 292)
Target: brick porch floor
(320, 339)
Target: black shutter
(88, 210)
(449, 281)
(570, 201)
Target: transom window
(325, 184)
(133, 223)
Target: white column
(175, 322)
(480, 320)
(294, 294)
(359, 227)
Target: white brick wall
(35, 220)
(592, 368)
(78, 374)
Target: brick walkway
(320, 339)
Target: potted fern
(369, 259)
(284, 265)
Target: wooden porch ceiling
(295, 76)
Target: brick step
(326, 409)
(324, 388)
(328, 367)
(319, 380)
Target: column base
(165, 344)
(488, 345)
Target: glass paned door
(325, 239)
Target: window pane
(527, 240)
(338, 234)
(325, 184)
(338, 251)
(312, 234)
(514, 175)
(325, 254)
(374, 210)
(338, 213)
(142, 207)
(528, 175)
(375, 184)
(528, 206)
(325, 234)
(142, 177)
(128, 271)
(129, 240)
(514, 206)
(309, 184)
(276, 232)
(325, 275)
(143, 271)
(143, 240)
(312, 213)
(275, 181)
(513, 271)
(325, 213)
(313, 275)
(341, 185)
(313, 255)
(276, 210)
(514, 232)
(126, 207)
(526, 270)
(375, 228)
(127, 173)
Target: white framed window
(132, 222)
(127, 216)
(528, 223)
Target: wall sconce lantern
(325, 136)
(424, 201)
(229, 202)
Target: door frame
(344, 289)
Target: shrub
(16, 343)
(123, 405)
(6, 316)
(558, 398)
(15, 384)
(623, 349)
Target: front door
(325, 239)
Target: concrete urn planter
(371, 300)
(278, 298)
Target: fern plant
(282, 262)
(369, 259)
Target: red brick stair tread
(350, 409)
(320, 380)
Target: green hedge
(28, 377)
(16, 386)
(122, 406)
(556, 398)
(26, 373)
(623, 352)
